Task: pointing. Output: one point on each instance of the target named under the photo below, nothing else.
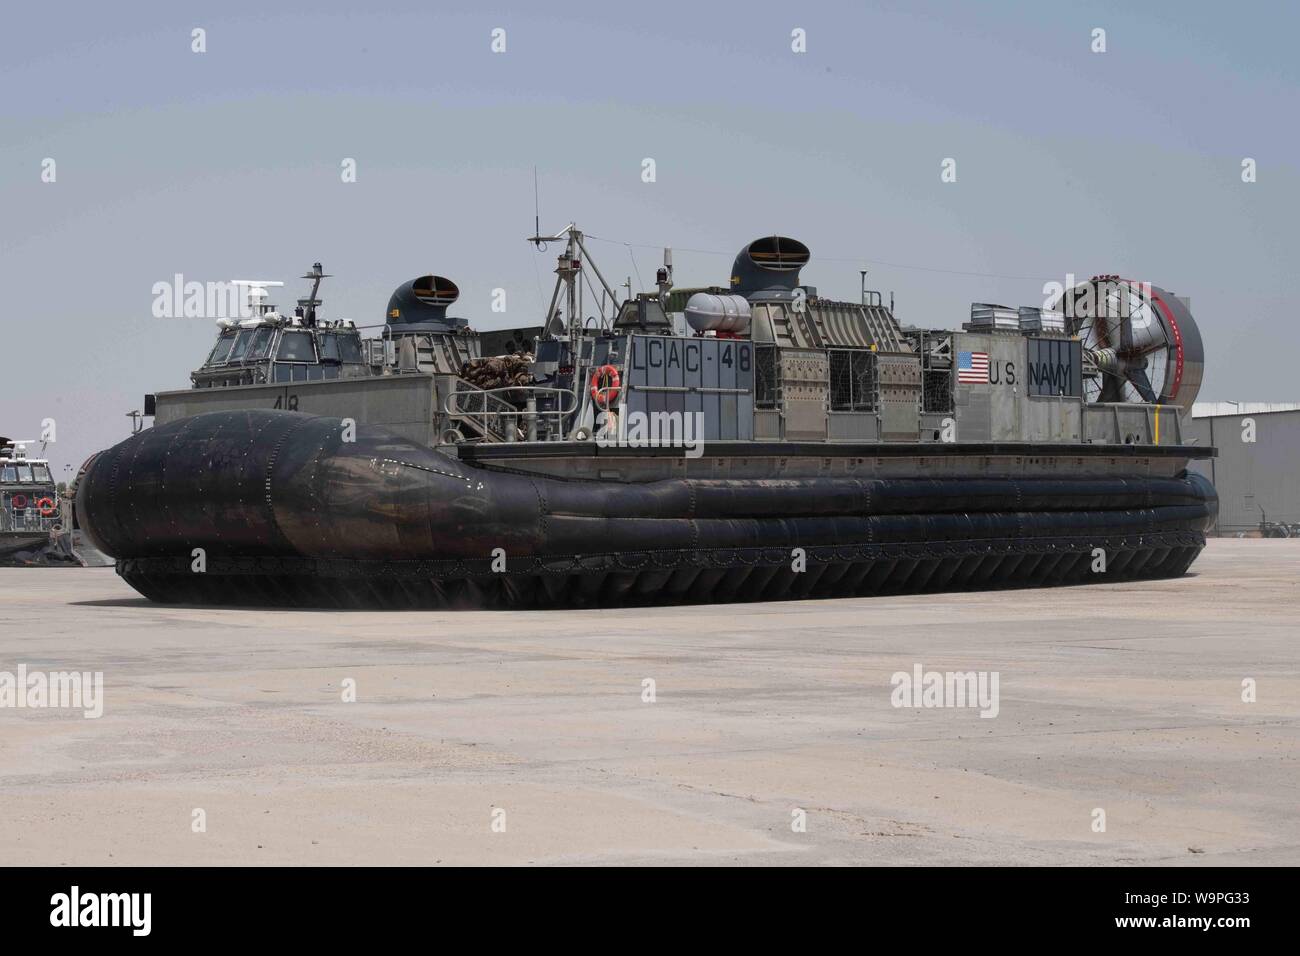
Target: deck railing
(495, 412)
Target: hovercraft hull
(271, 508)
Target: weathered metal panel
(1099, 425)
(1006, 394)
(932, 425)
(402, 403)
(1045, 418)
(657, 359)
(805, 375)
(728, 360)
(708, 379)
(1122, 424)
(767, 425)
(853, 426)
(973, 421)
(745, 376)
(675, 376)
(899, 378)
(692, 362)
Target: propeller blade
(1139, 380)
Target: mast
(568, 272)
(309, 304)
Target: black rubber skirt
(275, 508)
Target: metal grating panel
(853, 380)
(937, 390)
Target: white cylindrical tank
(708, 312)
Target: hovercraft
(706, 444)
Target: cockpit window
(329, 348)
(222, 349)
(8, 473)
(339, 347)
(25, 473)
(42, 472)
(261, 344)
(296, 347)
(350, 348)
(242, 343)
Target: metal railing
(28, 519)
(499, 419)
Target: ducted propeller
(1140, 343)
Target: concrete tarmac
(533, 737)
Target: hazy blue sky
(227, 163)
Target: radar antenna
(257, 294)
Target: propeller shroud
(1140, 342)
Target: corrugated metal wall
(1255, 480)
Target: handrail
(503, 406)
(504, 414)
(28, 519)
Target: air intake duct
(421, 306)
(769, 268)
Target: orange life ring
(46, 506)
(604, 395)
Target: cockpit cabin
(268, 352)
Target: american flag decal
(972, 368)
